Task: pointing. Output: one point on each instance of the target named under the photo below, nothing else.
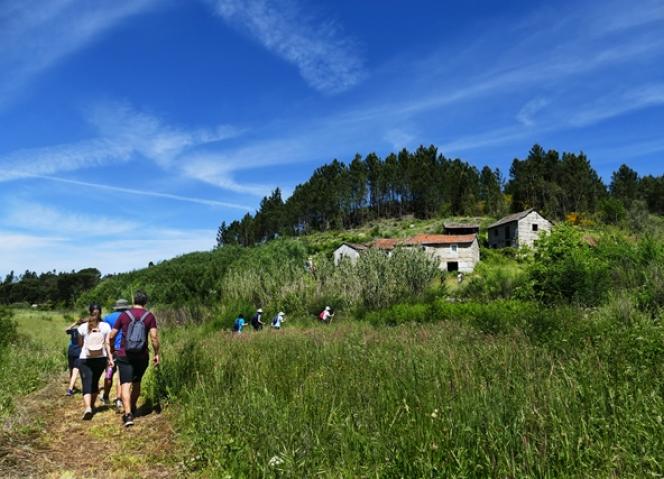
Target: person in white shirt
(278, 319)
(95, 356)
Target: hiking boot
(87, 415)
(70, 392)
(105, 401)
(127, 420)
(118, 406)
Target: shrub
(8, 332)
(489, 283)
(565, 270)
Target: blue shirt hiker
(239, 324)
(119, 306)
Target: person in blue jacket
(119, 306)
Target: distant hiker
(256, 322)
(73, 354)
(460, 278)
(119, 306)
(310, 266)
(136, 324)
(95, 356)
(278, 319)
(238, 324)
(326, 315)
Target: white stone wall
(347, 251)
(498, 238)
(525, 234)
(467, 255)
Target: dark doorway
(452, 266)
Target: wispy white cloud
(62, 158)
(36, 217)
(619, 103)
(125, 133)
(153, 194)
(44, 252)
(326, 59)
(527, 113)
(35, 35)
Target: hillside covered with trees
(426, 184)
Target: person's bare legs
(108, 384)
(87, 401)
(135, 392)
(72, 378)
(126, 397)
(130, 393)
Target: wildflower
(434, 414)
(275, 461)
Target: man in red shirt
(132, 364)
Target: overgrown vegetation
(419, 400)
(32, 348)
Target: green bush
(495, 282)
(566, 270)
(8, 332)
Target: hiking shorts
(132, 368)
(91, 371)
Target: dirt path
(46, 438)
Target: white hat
(327, 308)
(259, 310)
(281, 313)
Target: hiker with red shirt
(136, 324)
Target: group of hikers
(118, 343)
(257, 320)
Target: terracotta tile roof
(513, 217)
(427, 239)
(385, 243)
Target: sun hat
(327, 308)
(259, 310)
(121, 304)
(281, 313)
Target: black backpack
(136, 338)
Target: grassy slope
(39, 353)
(410, 401)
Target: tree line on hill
(47, 289)
(425, 183)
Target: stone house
(518, 229)
(453, 252)
(351, 251)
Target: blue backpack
(236, 325)
(135, 341)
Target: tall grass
(275, 276)
(36, 352)
(415, 400)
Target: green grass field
(34, 357)
(436, 400)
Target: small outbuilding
(518, 229)
(461, 228)
(453, 252)
(351, 251)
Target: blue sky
(129, 129)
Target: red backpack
(321, 316)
